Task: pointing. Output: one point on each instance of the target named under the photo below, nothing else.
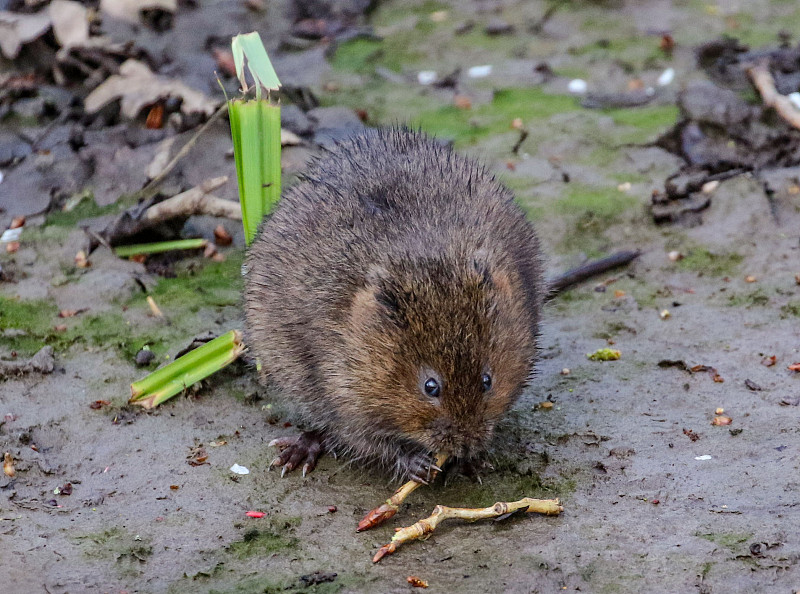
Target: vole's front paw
(304, 449)
(420, 467)
(472, 468)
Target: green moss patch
(729, 540)
(703, 261)
(274, 538)
(467, 126)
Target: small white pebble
(704, 457)
(795, 99)
(709, 187)
(426, 77)
(239, 469)
(565, 371)
(664, 314)
(11, 235)
(577, 86)
(439, 16)
(666, 77)
(480, 71)
(674, 256)
(624, 187)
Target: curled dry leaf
(98, 404)
(17, 29)
(691, 434)
(462, 102)
(8, 465)
(794, 367)
(17, 222)
(221, 236)
(81, 260)
(137, 87)
(70, 22)
(721, 420)
(197, 456)
(769, 361)
(130, 10)
(416, 582)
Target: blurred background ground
(656, 498)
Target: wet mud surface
(656, 498)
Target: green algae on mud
(200, 286)
(704, 261)
(128, 552)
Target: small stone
(480, 71)
(498, 27)
(664, 314)
(709, 187)
(577, 86)
(750, 279)
(426, 77)
(144, 357)
(674, 256)
(566, 371)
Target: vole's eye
(432, 388)
(487, 382)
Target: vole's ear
(379, 282)
(488, 273)
(480, 264)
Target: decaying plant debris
(721, 135)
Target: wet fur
(395, 256)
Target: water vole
(394, 297)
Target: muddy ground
(657, 499)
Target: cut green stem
(126, 251)
(163, 384)
(256, 132)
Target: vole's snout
(458, 439)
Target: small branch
(763, 81)
(389, 508)
(145, 215)
(153, 184)
(588, 270)
(549, 507)
(197, 200)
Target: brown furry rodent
(394, 297)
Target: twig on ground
(763, 81)
(149, 189)
(549, 507)
(588, 270)
(145, 215)
(197, 200)
(389, 508)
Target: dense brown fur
(393, 261)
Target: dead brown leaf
(137, 87)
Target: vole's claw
(302, 450)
